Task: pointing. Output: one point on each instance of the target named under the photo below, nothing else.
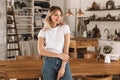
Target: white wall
(60, 3)
(2, 29)
(88, 3)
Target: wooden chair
(105, 77)
(3, 76)
(29, 58)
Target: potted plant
(107, 49)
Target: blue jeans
(51, 67)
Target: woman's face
(56, 17)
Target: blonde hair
(48, 21)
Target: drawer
(72, 44)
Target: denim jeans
(51, 67)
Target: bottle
(85, 34)
(116, 32)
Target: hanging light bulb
(79, 13)
(69, 13)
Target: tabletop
(79, 67)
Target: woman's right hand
(64, 57)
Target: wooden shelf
(38, 27)
(23, 16)
(106, 20)
(43, 0)
(103, 9)
(24, 32)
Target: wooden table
(79, 67)
(82, 43)
(22, 68)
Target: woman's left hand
(60, 73)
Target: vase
(107, 58)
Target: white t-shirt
(54, 38)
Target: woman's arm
(43, 52)
(66, 50)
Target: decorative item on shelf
(17, 4)
(93, 17)
(96, 32)
(23, 5)
(26, 37)
(89, 34)
(42, 4)
(39, 23)
(110, 4)
(107, 49)
(9, 11)
(9, 20)
(85, 34)
(109, 17)
(95, 6)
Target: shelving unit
(105, 18)
(109, 7)
(104, 9)
(41, 8)
(30, 15)
(24, 18)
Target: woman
(53, 43)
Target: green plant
(107, 49)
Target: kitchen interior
(94, 26)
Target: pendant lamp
(69, 13)
(79, 13)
